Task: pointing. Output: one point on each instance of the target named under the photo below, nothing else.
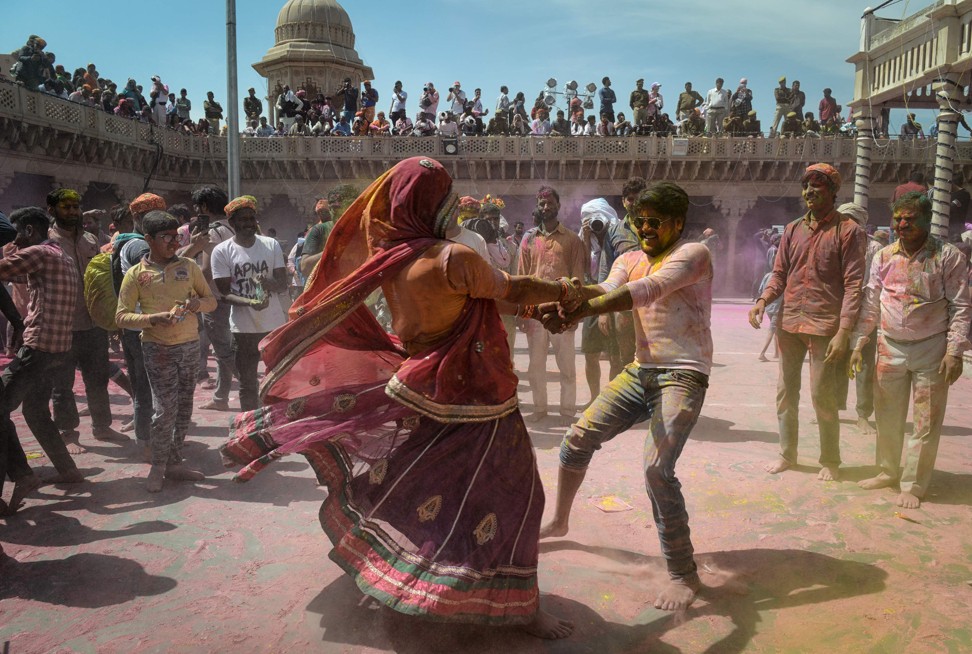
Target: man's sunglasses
(653, 223)
(166, 238)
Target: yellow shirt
(149, 288)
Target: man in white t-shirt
(249, 270)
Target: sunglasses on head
(653, 223)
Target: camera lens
(597, 225)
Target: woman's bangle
(529, 311)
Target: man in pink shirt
(919, 291)
(819, 271)
(668, 283)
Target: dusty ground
(793, 564)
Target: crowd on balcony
(354, 111)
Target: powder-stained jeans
(217, 326)
(903, 367)
(89, 352)
(141, 390)
(29, 379)
(823, 393)
(671, 401)
(171, 373)
(247, 348)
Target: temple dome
(317, 21)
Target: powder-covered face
(818, 193)
(656, 233)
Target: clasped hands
(558, 317)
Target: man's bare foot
(71, 441)
(156, 479)
(779, 465)
(677, 595)
(22, 488)
(829, 473)
(762, 357)
(69, 477)
(864, 427)
(549, 626)
(127, 426)
(874, 483)
(553, 529)
(182, 473)
(536, 416)
(908, 501)
(109, 435)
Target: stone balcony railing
(899, 61)
(33, 108)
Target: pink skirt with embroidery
(432, 519)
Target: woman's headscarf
(392, 222)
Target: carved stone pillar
(949, 95)
(733, 208)
(862, 170)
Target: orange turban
(826, 170)
(147, 202)
(242, 202)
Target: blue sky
(483, 44)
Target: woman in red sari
(434, 499)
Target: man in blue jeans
(668, 284)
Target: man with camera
(349, 94)
(458, 99)
(430, 101)
(597, 218)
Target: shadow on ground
(740, 585)
(82, 580)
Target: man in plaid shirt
(52, 286)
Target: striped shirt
(52, 289)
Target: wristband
(529, 312)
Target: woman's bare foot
(908, 501)
(829, 473)
(553, 529)
(677, 595)
(874, 483)
(779, 465)
(22, 488)
(549, 626)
